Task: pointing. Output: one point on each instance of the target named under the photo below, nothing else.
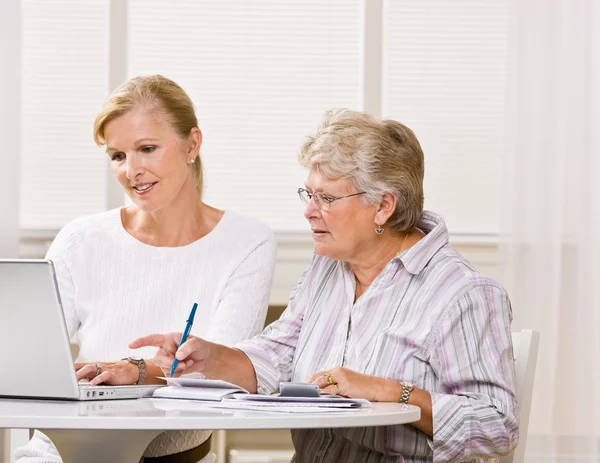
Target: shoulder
(82, 229)
(460, 289)
(246, 229)
(459, 275)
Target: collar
(416, 258)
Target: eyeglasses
(322, 201)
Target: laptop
(37, 361)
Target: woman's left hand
(348, 383)
(113, 373)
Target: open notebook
(228, 395)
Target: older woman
(387, 310)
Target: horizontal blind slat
(444, 76)
(261, 76)
(64, 71)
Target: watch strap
(141, 364)
(406, 390)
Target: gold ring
(98, 369)
(330, 381)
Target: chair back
(525, 348)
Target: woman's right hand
(193, 355)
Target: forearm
(231, 365)
(391, 391)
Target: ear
(385, 208)
(195, 141)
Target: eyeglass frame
(319, 203)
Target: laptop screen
(33, 333)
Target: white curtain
(550, 225)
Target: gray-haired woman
(387, 310)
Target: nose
(133, 166)
(311, 210)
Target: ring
(98, 369)
(330, 381)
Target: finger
(104, 377)
(80, 365)
(193, 345)
(155, 340)
(332, 390)
(88, 371)
(319, 379)
(163, 359)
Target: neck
(366, 269)
(182, 222)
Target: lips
(143, 188)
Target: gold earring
(379, 229)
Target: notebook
(228, 395)
(33, 335)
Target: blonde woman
(387, 310)
(138, 269)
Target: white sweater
(115, 288)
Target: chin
(324, 250)
(146, 206)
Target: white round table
(120, 430)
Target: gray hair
(375, 156)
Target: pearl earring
(191, 161)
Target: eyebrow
(137, 142)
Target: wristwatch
(141, 364)
(406, 390)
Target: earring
(191, 161)
(379, 229)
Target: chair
(525, 348)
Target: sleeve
(59, 253)
(38, 450)
(243, 304)
(272, 352)
(475, 412)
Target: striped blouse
(429, 318)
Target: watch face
(135, 359)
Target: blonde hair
(159, 91)
(376, 156)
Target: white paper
(322, 401)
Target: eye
(327, 199)
(148, 149)
(118, 156)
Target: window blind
(444, 76)
(261, 74)
(64, 81)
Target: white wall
(9, 154)
(9, 126)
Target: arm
(257, 364)
(58, 253)
(244, 300)
(474, 412)
(201, 356)
(349, 383)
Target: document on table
(227, 395)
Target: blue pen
(188, 327)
